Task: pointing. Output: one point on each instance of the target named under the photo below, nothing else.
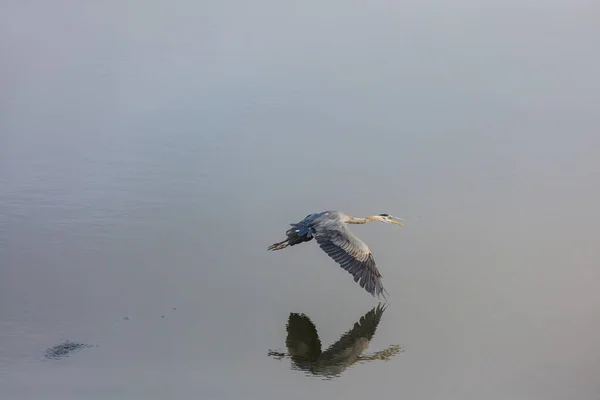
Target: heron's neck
(358, 220)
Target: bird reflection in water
(304, 346)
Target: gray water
(149, 154)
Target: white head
(388, 219)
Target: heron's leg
(279, 245)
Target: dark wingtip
(384, 215)
(381, 293)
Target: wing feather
(302, 338)
(351, 253)
(363, 329)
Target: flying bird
(333, 236)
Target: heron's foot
(278, 246)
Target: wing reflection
(304, 346)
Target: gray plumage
(330, 231)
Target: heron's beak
(397, 222)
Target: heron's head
(390, 219)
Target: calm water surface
(149, 155)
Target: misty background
(150, 152)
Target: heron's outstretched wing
(353, 342)
(302, 339)
(351, 253)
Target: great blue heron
(304, 346)
(333, 236)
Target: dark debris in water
(64, 349)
